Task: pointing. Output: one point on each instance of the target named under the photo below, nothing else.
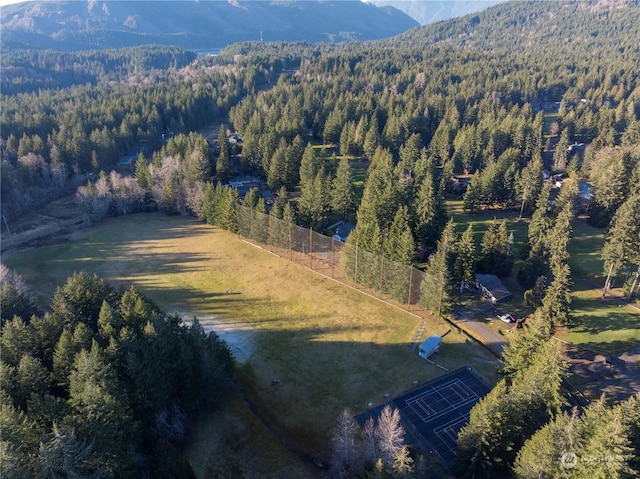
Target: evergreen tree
(542, 454)
(610, 181)
(63, 356)
(277, 172)
(342, 192)
(561, 152)
(594, 444)
(430, 216)
(15, 298)
(142, 173)
(208, 204)
(31, 378)
(541, 220)
(281, 201)
(496, 256)
(622, 244)
(109, 322)
(517, 356)
(473, 197)
(223, 163)
(79, 299)
(557, 299)
(315, 201)
(480, 447)
(227, 209)
(436, 287)
(373, 138)
(533, 297)
(102, 415)
(399, 248)
(529, 183)
(251, 198)
(289, 219)
(135, 309)
(379, 198)
(294, 156)
(410, 152)
(309, 165)
(511, 413)
(464, 269)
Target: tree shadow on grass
(301, 380)
(594, 315)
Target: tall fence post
(251, 232)
(333, 254)
(311, 248)
(410, 288)
(355, 269)
(381, 274)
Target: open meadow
(327, 345)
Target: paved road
(481, 331)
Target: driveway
(480, 331)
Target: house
(430, 346)
(492, 288)
(342, 233)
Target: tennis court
(434, 412)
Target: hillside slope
(69, 25)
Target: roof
(431, 343)
(495, 287)
(342, 233)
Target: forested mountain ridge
(514, 26)
(196, 25)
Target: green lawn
(585, 250)
(601, 325)
(598, 325)
(481, 221)
(330, 346)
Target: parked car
(507, 318)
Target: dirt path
(239, 336)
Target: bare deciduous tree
(344, 456)
(389, 435)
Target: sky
(8, 2)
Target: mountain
(576, 29)
(430, 11)
(93, 24)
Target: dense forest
(102, 384)
(491, 108)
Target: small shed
(430, 346)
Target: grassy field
(483, 219)
(329, 346)
(604, 326)
(585, 250)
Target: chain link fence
(349, 264)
